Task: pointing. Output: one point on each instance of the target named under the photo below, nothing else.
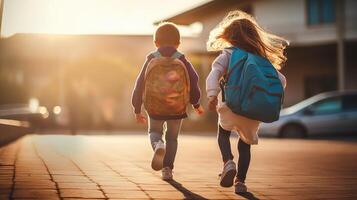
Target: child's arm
(219, 67)
(195, 92)
(136, 99)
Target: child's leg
(155, 131)
(173, 128)
(224, 144)
(244, 160)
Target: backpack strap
(176, 55)
(236, 53)
(222, 83)
(157, 54)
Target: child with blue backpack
(246, 73)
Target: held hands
(212, 103)
(140, 118)
(199, 110)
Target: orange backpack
(167, 86)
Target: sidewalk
(118, 167)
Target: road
(118, 167)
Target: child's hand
(140, 118)
(199, 110)
(212, 103)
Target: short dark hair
(167, 34)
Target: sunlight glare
(90, 16)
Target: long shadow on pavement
(248, 195)
(187, 193)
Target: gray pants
(171, 128)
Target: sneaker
(158, 158)
(228, 174)
(166, 174)
(240, 187)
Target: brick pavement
(118, 167)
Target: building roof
(190, 16)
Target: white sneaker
(228, 173)
(166, 174)
(158, 158)
(240, 187)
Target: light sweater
(245, 127)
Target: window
(327, 106)
(350, 102)
(320, 12)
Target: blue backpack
(252, 87)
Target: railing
(11, 130)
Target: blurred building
(323, 36)
(90, 77)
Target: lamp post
(340, 33)
(1, 13)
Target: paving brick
(166, 195)
(160, 187)
(63, 185)
(7, 185)
(4, 196)
(39, 198)
(31, 177)
(5, 191)
(6, 171)
(82, 198)
(71, 179)
(32, 193)
(79, 193)
(35, 186)
(66, 172)
(128, 195)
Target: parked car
(325, 113)
(23, 112)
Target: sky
(90, 16)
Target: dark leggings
(243, 149)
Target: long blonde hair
(241, 30)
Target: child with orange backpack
(246, 72)
(166, 84)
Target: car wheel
(293, 131)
